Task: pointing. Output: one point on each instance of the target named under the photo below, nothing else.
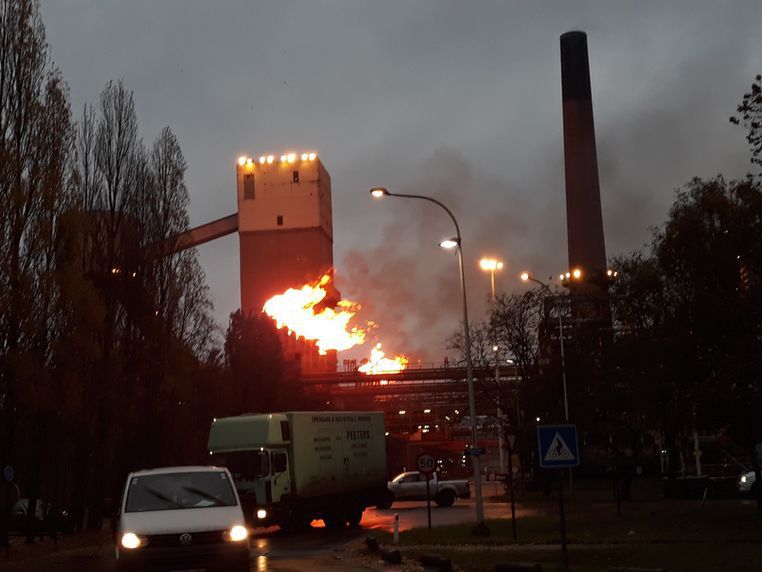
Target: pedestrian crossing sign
(557, 446)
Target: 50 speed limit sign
(426, 463)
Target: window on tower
(280, 220)
(248, 187)
(296, 176)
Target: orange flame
(328, 327)
(379, 363)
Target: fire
(328, 327)
(379, 363)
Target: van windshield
(172, 491)
(244, 465)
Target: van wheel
(445, 498)
(387, 501)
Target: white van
(180, 518)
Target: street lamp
(527, 277)
(457, 243)
(491, 265)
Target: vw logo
(186, 539)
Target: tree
(688, 315)
(254, 359)
(750, 116)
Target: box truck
(295, 467)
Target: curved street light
(457, 243)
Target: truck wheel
(334, 521)
(354, 517)
(445, 498)
(387, 501)
(295, 522)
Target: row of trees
(684, 352)
(109, 357)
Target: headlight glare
(238, 533)
(130, 540)
(743, 479)
(261, 514)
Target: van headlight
(130, 540)
(238, 533)
(261, 514)
(743, 479)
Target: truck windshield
(244, 465)
(172, 491)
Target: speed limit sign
(426, 463)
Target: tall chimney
(584, 221)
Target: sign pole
(510, 481)
(428, 500)
(564, 555)
(558, 448)
(427, 464)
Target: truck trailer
(295, 467)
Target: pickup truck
(412, 486)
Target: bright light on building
(241, 160)
(304, 156)
(427, 410)
(402, 411)
(577, 273)
(311, 156)
(283, 158)
(262, 160)
(270, 159)
(291, 157)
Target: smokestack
(584, 221)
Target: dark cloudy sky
(456, 99)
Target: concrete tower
(285, 230)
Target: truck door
(281, 476)
(418, 488)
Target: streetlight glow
(524, 276)
(378, 192)
(577, 273)
(449, 243)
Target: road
(316, 550)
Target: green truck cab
(295, 467)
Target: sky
(457, 100)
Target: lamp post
(491, 265)
(527, 277)
(457, 243)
